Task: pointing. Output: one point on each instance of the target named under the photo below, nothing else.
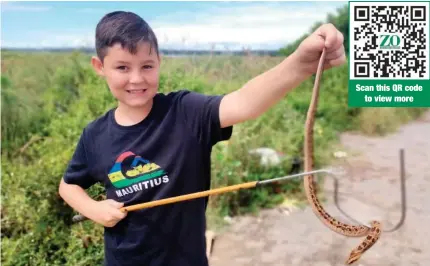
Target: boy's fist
(108, 213)
(309, 51)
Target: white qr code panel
(389, 40)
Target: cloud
(257, 26)
(58, 40)
(7, 6)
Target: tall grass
(26, 80)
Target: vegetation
(47, 99)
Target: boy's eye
(123, 68)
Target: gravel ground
(369, 190)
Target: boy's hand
(308, 53)
(108, 213)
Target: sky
(178, 25)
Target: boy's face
(132, 78)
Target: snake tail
(368, 242)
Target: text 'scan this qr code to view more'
(389, 54)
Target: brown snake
(372, 233)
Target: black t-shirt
(165, 155)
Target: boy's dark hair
(125, 28)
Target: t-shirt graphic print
(131, 173)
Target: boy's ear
(97, 65)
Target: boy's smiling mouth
(136, 91)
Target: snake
(370, 233)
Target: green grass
(47, 99)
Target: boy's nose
(137, 77)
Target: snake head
(353, 257)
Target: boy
(155, 145)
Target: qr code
(389, 40)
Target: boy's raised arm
(259, 93)
(266, 89)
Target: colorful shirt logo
(130, 169)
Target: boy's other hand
(307, 55)
(108, 213)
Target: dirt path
(370, 190)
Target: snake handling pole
(402, 195)
(79, 218)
